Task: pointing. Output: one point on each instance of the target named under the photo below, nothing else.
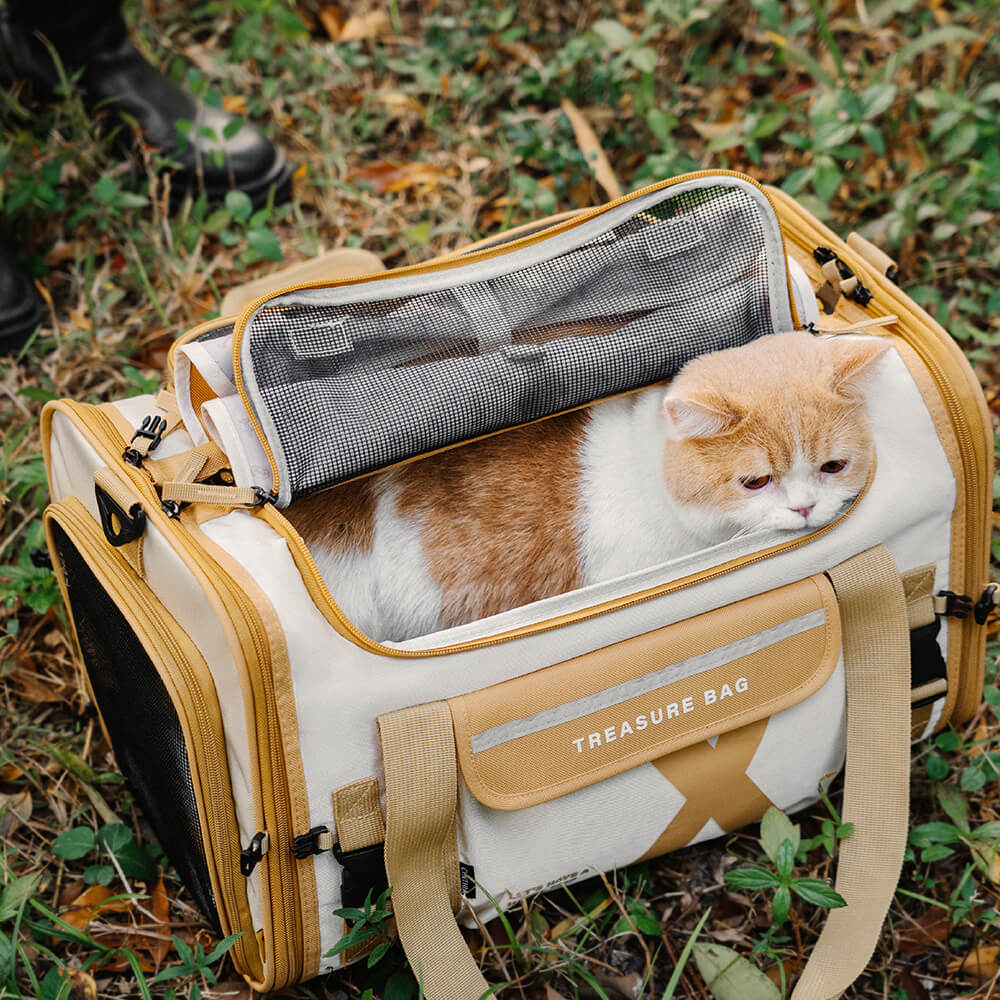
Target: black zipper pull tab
(251, 856)
(316, 841)
(989, 599)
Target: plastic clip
(151, 428)
(988, 600)
(363, 873)
(120, 526)
(316, 841)
(955, 605)
(251, 856)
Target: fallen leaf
(10, 772)
(92, 901)
(82, 985)
(914, 988)
(981, 964)
(332, 19)
(591, 149)
(235, 104)
(14, 811)
(385, 177)
(159, 904)
(398, 104)
(923, 933)
(626, 987)
(729, 976)
(365, 26)
(793, 967)
(229, 989)
(36, 688)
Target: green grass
(887, 125)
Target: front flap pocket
(559, 729)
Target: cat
(773, 435)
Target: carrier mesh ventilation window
(142, 723)
(345, 389)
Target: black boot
(115, 76)
(20, 308)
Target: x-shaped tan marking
(714, 782)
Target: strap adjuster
(363, 872)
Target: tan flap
(551, 732)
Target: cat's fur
(591, 495)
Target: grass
(435, 124)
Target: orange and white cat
(770, 436)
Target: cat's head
(772, 435)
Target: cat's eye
(756, 482)
(836, 465)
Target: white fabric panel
(72, 465)
(229, 426)
(586, 832)
(801, 745)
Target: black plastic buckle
(120, 526)
(956, 605)
(251, 856)
(363, 872)
(861, 294)
(152, 428)
(263, 497)
(306, 844)
(988, 600)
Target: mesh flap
(349, 379)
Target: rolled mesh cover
(141, 721)
(346, 389)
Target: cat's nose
(804, 511)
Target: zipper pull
(316, 841)
(989, 599)
(841, 276)
(251, 856)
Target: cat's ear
(854, 363)
(687, 418)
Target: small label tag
(467, 877)
(325, 340)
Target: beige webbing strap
(357, 815)
(877, 772)
(861, 325)
(421, 787)
(220, 496)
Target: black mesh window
(142, 723)
(352, 388)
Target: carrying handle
(421, 781)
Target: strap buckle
(152, 429)
(363, 872)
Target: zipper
(809, 233)
(451, 262)
(350, 631)
(79, 526)
(286, 913)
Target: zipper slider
(847, 282)
(251, 856)
(316, 841)
(989, 599)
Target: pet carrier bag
(291, 765)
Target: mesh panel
(142, 723)
(356, 387)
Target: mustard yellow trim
(967, 413)
(192, 692)
(193, 334)
(101, 426)
(450, 262)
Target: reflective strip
(620, 693)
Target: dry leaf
(371, 25)
(926, 931)
(399, 104)
(384, 177)
(38, 689)
(80, 320)
(230, 989)
(82, 985)
(981, 964)
(14, 810)
(626, 987)
(10, 772)
(160, 906)
(591, 149)
(793, 967)
(332, 19)
(990, 857)
(914, 988)
(235, 104)
(90, 902)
